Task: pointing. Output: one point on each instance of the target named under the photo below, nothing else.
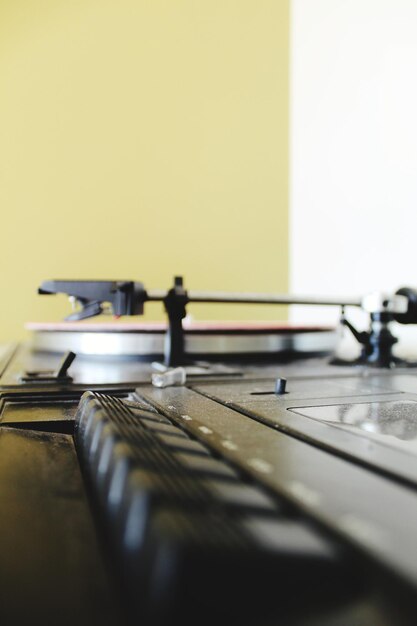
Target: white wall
(353, 147)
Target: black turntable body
(204, 474)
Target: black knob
(280, 385)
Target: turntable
(208, 472)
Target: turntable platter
(146, 339)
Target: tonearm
(129, 298)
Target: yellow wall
(138, 139)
